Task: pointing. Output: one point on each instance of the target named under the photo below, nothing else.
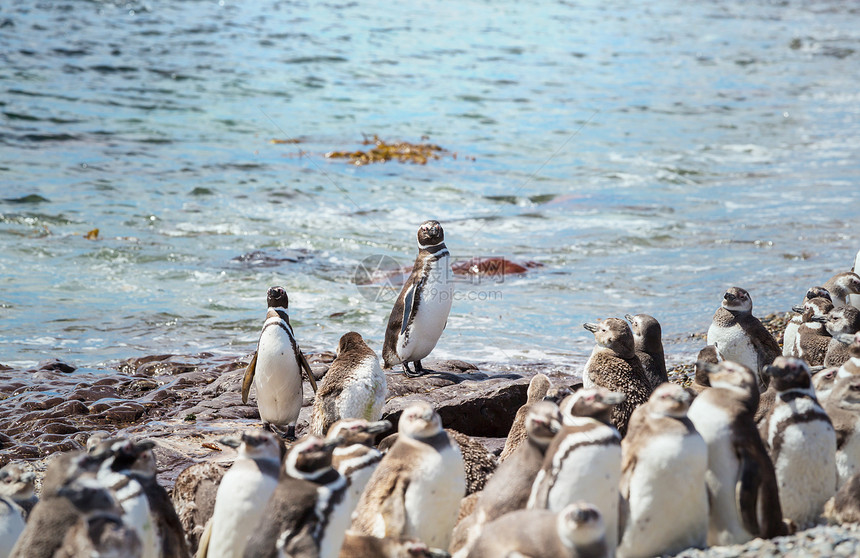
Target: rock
(194, 497)
(55, 365)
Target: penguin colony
(629, 465)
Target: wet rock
(55, 365)
(73, 407)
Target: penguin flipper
(747, 491)
(203, 546)
(249, 378)
(394, 509)
(303, 362)
(408, 300)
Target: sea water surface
(649, 154)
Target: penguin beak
(591, 327)
(144, 445)
(846, 338)
(378, 426)
(799, 309)
(329, 445)
(728, 297)
(819, 319)
(628, 317)
(614, 398)
(554, 426)
(230, 441)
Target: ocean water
(647, 154)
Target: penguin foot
(419, 371)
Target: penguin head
(846, 393)
(708, 355)
(816, 310)
(645, 328)
(419, 420)
(670, 400)
(849, 282)
(789, 373)
(16, 482)
(349, 342)
(581, 524)
(357, 431)
(310, 457)
(614, 334)
(734, 377)
(89, 496)
(737, 300)
(845, 319)
(276, 297)
(596, 403)
(817, 292)
(254, 444)
(824, 379)
(543, 422)
(430, 233)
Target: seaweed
(383, 151)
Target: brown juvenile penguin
(648, 342)
(538, 388)
(843, 408)
(841, 286)
(841, 324)
(790, 333)
(812, 338)
(614, 365)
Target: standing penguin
(577, 531)
(354, 386)
(538, 388)
(740, 337)
(812, 338)
(801, 442)
(584, 460)
(415, 491)
(663, 478)
(280, 362)
(648, 342)
(841, 286)
(242, 495)
(306, 516)
(614, 365)
(355, 457)
(422, 307)
(510, 486)
(841, 324)
(741, 481)
(788, 336)
(843, 408)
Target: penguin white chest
(433, 497)
(11, 525)
(278, 377)
(435, 298)
(333, 516)
(789, 336)
(138, 516)
(363, 395)
(734, 344)
(804, 461)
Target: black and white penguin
(843, 408)
(841, 286)
(510, 486)
(354, 386)
(420, 313)
(812, 338)
(538, 388)
(242, 495)
(790, 332)
(740, 337)
(276, 368)
(841, 324)
(577, 531)
(19, 485)
(664, 462)
(741, 480)
(583, 462)
(306, 516)
(614, 365)
(355, 457)
(801, 442)
(648, 342)
(415, 491)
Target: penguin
(614, 365)
(841, 324)
(577, 531)
(510, 487)
(129, 472)
(355, 457)
(100, 531)
(790, 332)
(415, 491)
(242, 495)
(648, 342)
(740, 337)
(354, 386)
(823, 382)
(538, 388)
(844, 507)
(583, 462)
(812, 338)
(664, 461)
(18, 484)
(741, 480)
(306, 515)
(801, 442)
(280, 360)
(364, 546)
(841, 286)
(843, 408)
(850, 367)
(707, 355)
(421, 310)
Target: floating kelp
(382, 151)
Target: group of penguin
(629, 465)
